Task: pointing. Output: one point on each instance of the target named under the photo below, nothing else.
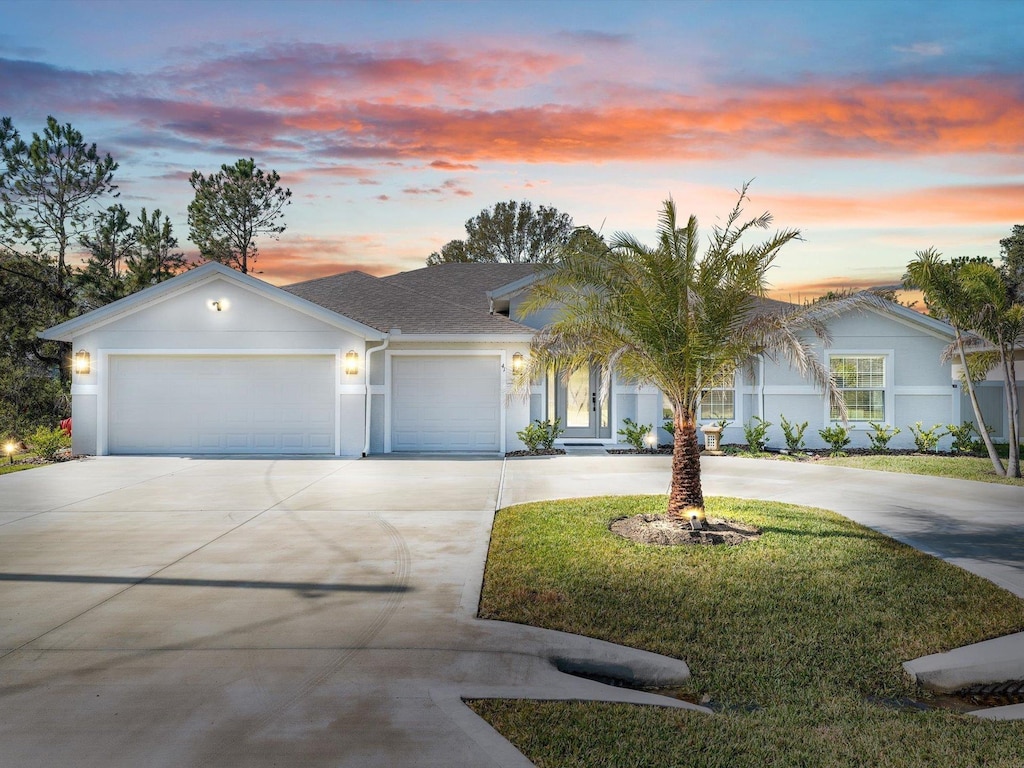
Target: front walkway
(175, 612)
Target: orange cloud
(941, 117)
(295, 259)
(966, 204)
(798, 293)
(475, 104)
(445, 165)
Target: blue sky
(877, 128)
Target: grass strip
(959, 467)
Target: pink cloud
(475, 105)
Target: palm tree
(948, 298)
(1000, 322)
(668, 316)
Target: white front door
(578, 404)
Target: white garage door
(187, 405)
(445, 403)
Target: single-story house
(217, 362)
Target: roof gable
(189, 281)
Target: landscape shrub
(793, 434)
(838, 437)
(756, 434)
(963, 438)
(880, 435)
(926, 439)
(635, 434)
(47, 442)
(540, 435)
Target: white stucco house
(217, 362)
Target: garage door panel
(446, 403)
(192, 404)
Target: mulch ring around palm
(661, 530)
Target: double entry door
(577, 402)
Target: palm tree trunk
(1013, 413)
(685, 498)
(993, 454)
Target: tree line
(58, 202)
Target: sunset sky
(877, 128)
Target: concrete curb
(991, 661)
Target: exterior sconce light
(518, 362)
(82, 363)
(219, 305)
(351, 362)
(9, 448)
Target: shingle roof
(465, 284)
(433, 300)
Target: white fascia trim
(191, 280)
(513, 287)
(389, 355)
(916, 320)
(102, 385)
(455, 338)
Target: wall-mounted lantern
(518, 362)
(219, 305)
(351, 362)
(82, 362)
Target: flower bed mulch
(664, 531)
(541, 452)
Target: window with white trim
(861, 379)
(719, 402)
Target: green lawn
(6, 467)
(792, 638)
(960, 467)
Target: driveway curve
(258, 612)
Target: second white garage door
(179, 404)
(446, 403)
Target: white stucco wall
(185, 323)
(919, 387)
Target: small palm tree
(668, 316)
(1000, 322)
(949, 297)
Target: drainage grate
(993, 694)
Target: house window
(861, 379)
(719, 402)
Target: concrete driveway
(307, 612)
(178, 612)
